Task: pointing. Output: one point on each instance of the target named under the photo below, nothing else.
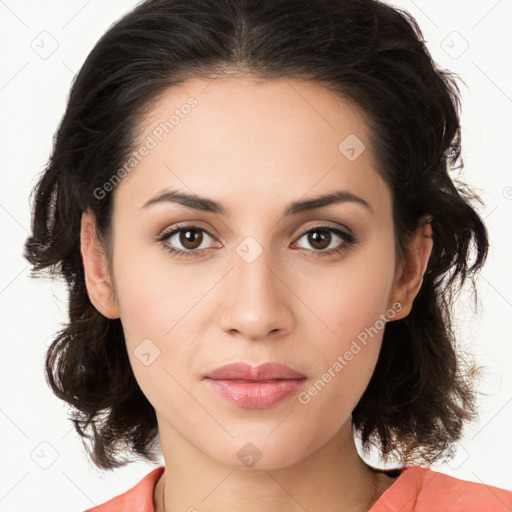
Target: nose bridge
(253, 270)
(257, 301)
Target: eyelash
(348, 240)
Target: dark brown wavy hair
(423, 390)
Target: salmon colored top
(416, 489)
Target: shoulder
(419, 489)
(137, 499)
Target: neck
(332, 478)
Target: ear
(409, 275)
(97, 279)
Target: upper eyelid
(324, 226)
(178, 228)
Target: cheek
(352, 306)
(154, 298)
(345, 367)
(157, 332)
(159, 308)
(348, 300)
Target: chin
(259, 450)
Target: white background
(33, 93)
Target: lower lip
(256, 395)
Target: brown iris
(314, 238)
(189, 238)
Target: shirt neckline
(389, 495)
(399, 491)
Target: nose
(257, 299)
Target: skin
(255, 146)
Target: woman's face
(258, 283)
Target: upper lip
(263, 372)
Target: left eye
(321, 237)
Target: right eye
(190, 237)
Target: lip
(245, 371)
(255, 387)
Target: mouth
(256, 381)
(258, 387)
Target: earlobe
(97, 279)
(410, 275)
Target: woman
(251, 204)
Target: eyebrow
(210, 206)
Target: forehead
(266, 140)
